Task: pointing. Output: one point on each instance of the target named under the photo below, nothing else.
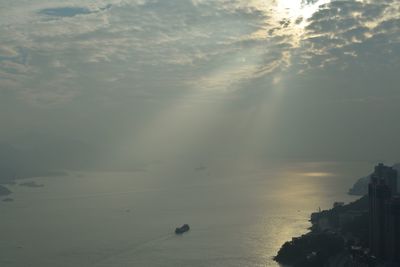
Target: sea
(240, 213)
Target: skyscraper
(379, 196)
(384, 213)
(393, 231)
(389, 175)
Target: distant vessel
(184, 228)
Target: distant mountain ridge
(360, 188)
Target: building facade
(384, 214)
(393, 231)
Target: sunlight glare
(299, 10)
(292, 16)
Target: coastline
(334, 232)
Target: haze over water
(239, 216)
(238, 117)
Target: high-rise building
(384, 214)
(389, 175)
(393, 231)
(379, 196)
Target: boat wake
(132, 249)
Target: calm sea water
(239, 213)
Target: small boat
(180, 230)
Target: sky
(121, 83)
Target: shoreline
(330, 238)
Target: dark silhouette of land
(4, 191)
(31, 184)
(365, 232)
(360, 187)
(326, 238)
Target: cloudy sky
(154, 79)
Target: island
(360, 187)
(4, 191)
(31, 184)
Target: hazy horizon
(89, 83)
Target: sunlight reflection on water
(239, 216)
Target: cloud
(64, 11)
(7, 52)
(345, 33)
(142, 35)
(207, 44)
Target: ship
(180, 230)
